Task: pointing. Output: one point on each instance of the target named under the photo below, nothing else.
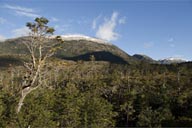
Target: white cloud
(56, 26)
(122, 20)
(2, 20)
(148, 45)
(24, 31)
(28, 14)
(94, 23)
(62, 28)
(2, 38)
(106, 30)
(171, 42)
(22, 11)
(54, 19)
(18, 8)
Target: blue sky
(159, 29)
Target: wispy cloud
(6, 22)
(27, 14)
(62, 28)
(148, 45)
(54, 19)
(18, 8)
(171, 42)
(2, 20)
(22, 11)
(95, 20)
(106, 30)
(24, 31)
(122, 20)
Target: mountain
(80, 47)
(143, 58)
(75, 47)
(171, 60)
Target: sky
(157, 28)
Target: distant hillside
(7, 60)
(14, 46)
(172, 60)
(144, 58)
(74, 49)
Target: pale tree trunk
(25, 92)
(29, 88)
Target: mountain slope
(144, 58)
(75, 48)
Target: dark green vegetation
(98, 94)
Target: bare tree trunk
(30, 88)
(25, 92)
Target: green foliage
(98, 94)
(40, 26)
(96, 112)
(7, 109)
(153, 118)
(75, 108)
(67, 106)
(37, 110)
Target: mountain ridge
(74, 47)
(77, 47)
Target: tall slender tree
(40, 49)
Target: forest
(41, 90)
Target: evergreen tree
(67, 106)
